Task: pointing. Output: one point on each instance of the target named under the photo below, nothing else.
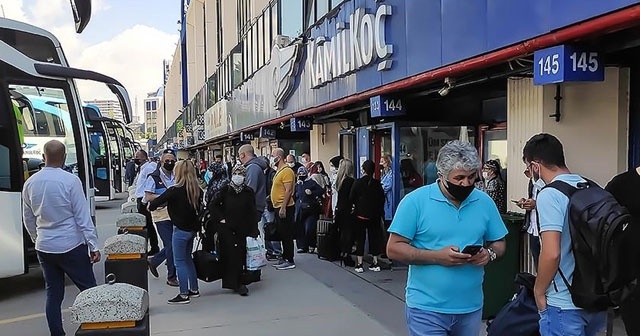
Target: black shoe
(153, 269)
(194, 294)
(243, 290)
(173, 282)
(179, 299)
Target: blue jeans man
(77, 265)
(165, 230)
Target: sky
(125, 39)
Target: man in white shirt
(61, 227)
(531, 216)
(146, 167)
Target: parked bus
(32, 59)
(100, 154)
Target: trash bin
(113, 309)
(498, 278)
(127, 259)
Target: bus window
(58, 126)
(5, 168)
(42, 124)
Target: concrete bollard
(129, 207)
(127, 259)
(114, 309)
(133, 223)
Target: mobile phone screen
(472, 249)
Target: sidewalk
(284, 302)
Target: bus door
(99, 157)
(12, 235)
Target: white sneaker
(374, 267)
(359, 268)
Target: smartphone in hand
(472, 249)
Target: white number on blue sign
(393, 104)
(585, 61)
(549, 65)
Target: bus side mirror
(81, 13)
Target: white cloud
(133, 56)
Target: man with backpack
(624, 188)
(566, 304)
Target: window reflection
(291, 17)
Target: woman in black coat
(343, 217)
(230, 208)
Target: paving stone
(125, 244)
(110, 303)
(131, 219)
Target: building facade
(108, 108)
(152, 109)
(367, 78)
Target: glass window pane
(291, 17)
(254, 33)
(250, 53)
(260, 40)
(268, 37)
(274, 21)
(322, 8)
(237, 69)
(245, 57)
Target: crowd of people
(449, 229)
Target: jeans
(151, 230)
(307, 229)
(286, 230)
(558, 322)
(534, 244)
(426, 323)
(272, 247)
(182, 247)
(77, 265)
(165, 230)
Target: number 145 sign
(566, 63)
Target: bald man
(60, 226)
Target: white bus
(32, 59)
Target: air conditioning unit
(281, 41)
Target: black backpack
(598, 224)
(519, 317)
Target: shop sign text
(566, 63)
(384, 106)
(356, 45)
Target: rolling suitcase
(328, 240)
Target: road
(318, 298)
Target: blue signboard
(566, 63)
(383, 106)
(244, 136)
(267, 133)
(301, 124)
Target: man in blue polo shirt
(435, 230)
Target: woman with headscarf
(307, 210)
(217, 180)
(230, 207)
(494, 185)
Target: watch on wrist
(492, 254)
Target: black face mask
(302, 177)
(458, 192)
(137, 162)
(169, 166)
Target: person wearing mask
(494, 185)
(60, 225)
(334, 164)
(531, 215)
(544, 157)
(343, 216)
(283, 204)
(367, 198)
(624, 187)
(292, 163)
(183, 202)
(229, 208)
(318, 174)
(306, 160)
(145, 167)
(274, 248)
(431, 230)
(307, 211)
(157, 183)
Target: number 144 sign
(566, 63)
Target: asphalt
(317, 298)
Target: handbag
(208, 265)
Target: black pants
(345, 222)
(286, 231)
(151, 230)
(371, 227)
(630, 313)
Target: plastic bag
(256, 254)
